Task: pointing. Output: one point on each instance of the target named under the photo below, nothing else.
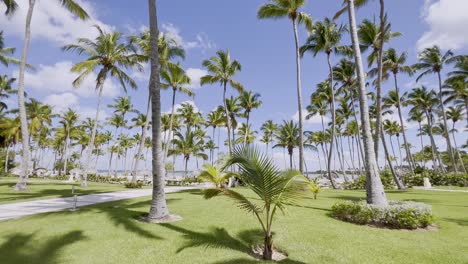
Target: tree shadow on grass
(19, 248)
(252, 261)
(461, 222)
(348, 197)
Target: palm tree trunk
(332, 110)
(351, 154)
(299, 97)
(110, 163)
(142, 141)
(466, 108)
(158, 208)
(447, 138)
(170, 125)
(435, 153)
(185, 167)
(23, 177)
(399, 151)
(228, 119)
(358, 138)
(93, 137)
(409, 157)
(247, 128)
(378, 98)
(290, 159)
(396, 179)
(375, 191)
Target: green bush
(437, 179)
(133, 185)
(59, 178)
(360, 182)
(106, 179)
(400, 215)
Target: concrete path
(21, 209)
(440, 190)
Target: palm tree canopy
(221, 70)
(277, 9)
(325, 37)
(176, 78)
(432, 61)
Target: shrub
(133, 185)
(398, 214)
(437, 179)
(360, 182)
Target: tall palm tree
(288, 138)
(216, 118)
(249, 101)
(176, 78)
(290, 9)
(222, 70)
(122, 105)
(246, 134)
(424, 100)
(455, 114)
(110, 56)
(139, 121)
(455, 90)
(375, 191)
(233, 107)
(431, 61)
(5, 53)
(68, 121)
(325, 37)
(11, 5)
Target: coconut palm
(216, 118)
(11, 5)
(187, 145)
(246, 134)
(455, 114)
(139, 121)
(455, 90)
(274, 187)
(211, 146)
(269, 129)
(249, 101)
(424, 100)
(122, 105)
(431, 61)
(5, 90)
(216, 175)
(5, 59)
(176, 78)
(110, 56)
(222, 70)
(117, 121)
(288, 137)
(68, 120)
(375, 191)
(290, 9)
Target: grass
(43, 189)
(451, 188)
(214, 231)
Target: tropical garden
(365, 188)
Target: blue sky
(265, 48)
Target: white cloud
(447, 22)
(201, 39)
(315, 119)
(52, 22)
(195, 74)
(61, 102)
(58, 78)
(90, 112)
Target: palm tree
(455, 114)
(215, 175)
(417, 115)
(211, 146)
(246, 134)
(5, 90)
(274, 187)
(176, 78)
(216, 118)
(455, 90)
(139, 121)
(396, 64)
(222, 71)
(5, 59)
(233, 107)
(325, 37)
(158, 210)
(432, 61)
(249, 101)
(375, 191)
(68, 121)
(288, 138)
(11, 5)
(277, 9)
(187, 145)
(117, 121)
(269, 129)
(122, 105)
(108, 55)
(424, 100)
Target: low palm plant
(274, 187)
(216, 175)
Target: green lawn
(214, 231)
(451, 188)
(43, 189)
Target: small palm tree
(187, 145)
(108, 55)
(222, 70)
(216, 175)
(290, 9)
(275, 188)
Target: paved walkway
(440, 190)
(21, 209)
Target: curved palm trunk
(456, 149)
(170, 125)
(158, 207)
(89, 151)
(375, 191)
(299, 97)
(399, 151)
(142, 141)
(332, 110)
(23, 177)
(358, 138)
(444, 115)
(435, 153)
(422, 142)
(396, 179)
(409, 157)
